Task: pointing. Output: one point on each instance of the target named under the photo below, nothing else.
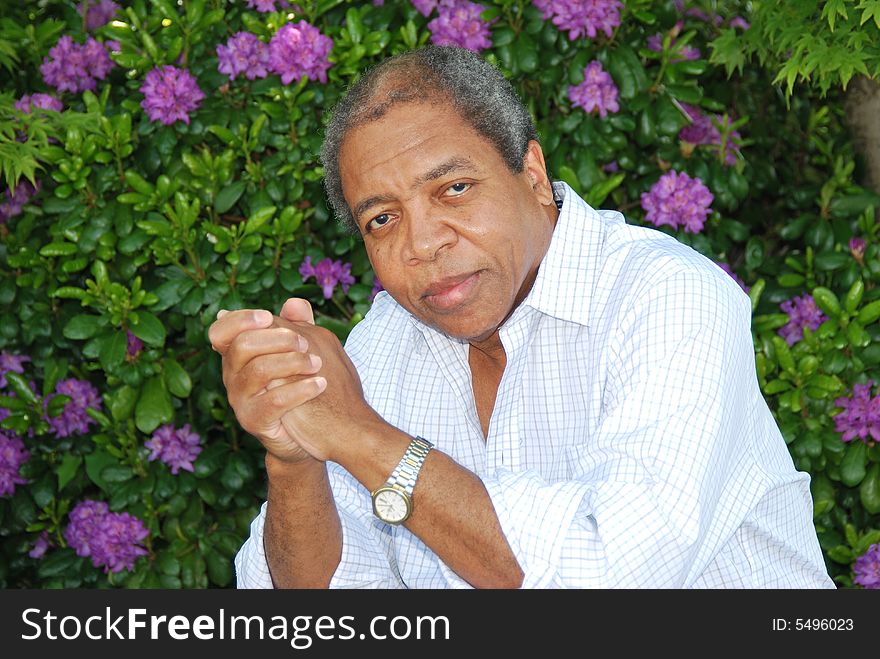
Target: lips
(450, 292)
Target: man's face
(452, 234)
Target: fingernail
(302, 344)
(262, 316)
(315, 361)
(221, 313)
(321, 383)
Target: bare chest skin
(486, 375)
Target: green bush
(140, 232)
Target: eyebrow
(454, 164)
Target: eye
(378, 222)
(457, 189)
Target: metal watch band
(407, 470)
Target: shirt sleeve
(666, 480)
(367, 552)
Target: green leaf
(82, 326)
(112, 350)
(869, 313)
(148, 328)
(121, 402)
(154, 406)
(117, 474)
(852, 467)
(870, 490)
(568, 175)
(58, 563)
(176, 378)
(21, 387)
(627, 70)
(827, 301)
(95, 464)
(67, 469)
(598, 193)
(227, 197)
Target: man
(546, 397)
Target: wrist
(278, 469)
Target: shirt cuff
(535, 518)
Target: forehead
(406, 139)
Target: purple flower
(265, 6)
(459, 24)
(682, 53)
(12, 202)
(74, 418)
(170, 94)
(11, 363)
(861, 414)
(99, 14)
(244, 54)
(726, 267)
(802, 312)
(582, 17)
(300, 50)
(377, 288)
(113, 540)
(40, 546)
(703, 131)
(176, 448)
(43, 101)
(857, 248)
(327, 274)
(678, 200)
(867, 568)
(75, 68)
(134, 346)
(597, 92)
(425, 7)
(13, 455)
(740, 22)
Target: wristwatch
(392, 503)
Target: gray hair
(476, 89)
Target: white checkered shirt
(629, 445)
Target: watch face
(391, 505)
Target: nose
(429, 233)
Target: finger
(298, 309)
(255, 343)
(266, 409)
(268, 371)
(230, 324)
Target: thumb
(298, 309)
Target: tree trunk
(863, 115)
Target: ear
(536, 170)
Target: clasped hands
(290, 382)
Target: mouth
(450, 292)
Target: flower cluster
(703, 131)
(41, 545)
(10, 363)
(459, 24)
(113, 540)
(133, 345)
(243, 54)
(802, 312)
(867, 568)
(857, 249)
(597, 92)
(13, 455)
(327, 274)
(74, 418)
(98, 14)
(43, 101)
(582, 17)
(170, 94)
(682, 53)
(12, 202)
(298, 50)
(677, 200)
(266, 6)
(177, 448)
(861, 415)
(73, 67)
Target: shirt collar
(567, 276)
